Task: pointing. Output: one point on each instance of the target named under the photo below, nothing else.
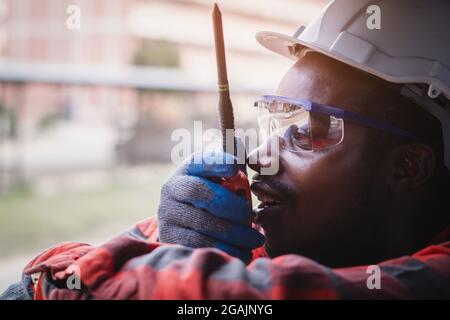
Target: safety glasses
(308, 126)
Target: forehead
(327, 81)
(330, 82)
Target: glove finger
(210, 196)
(243, 254)
(185, 215)
(213, 164)
(238, 235)
(225, 204)
(169, 233)
(189, 217)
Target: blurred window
(157, 53)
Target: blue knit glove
(197, 212)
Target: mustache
(274, 183)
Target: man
(361, 181)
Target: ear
(413, 165)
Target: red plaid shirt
(135, 266)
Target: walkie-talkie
(239, 183)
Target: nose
(266, 158)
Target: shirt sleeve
(148, 230)
(129, 268)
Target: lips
(272, 202)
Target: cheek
(332, 175)
(308, 172)
(327, 186)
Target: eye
(301, 131)
(301, 137)
(320, 124)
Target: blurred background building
(86, 113)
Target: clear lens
(301, 130)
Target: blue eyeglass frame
(339, 113)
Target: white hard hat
(409, 44)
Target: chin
(276, 247)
